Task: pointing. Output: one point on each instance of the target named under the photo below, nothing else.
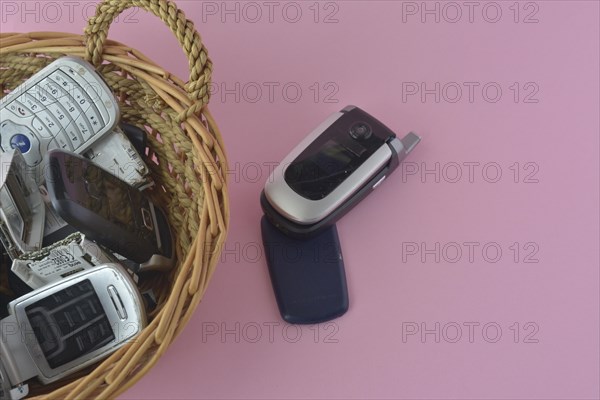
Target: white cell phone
(66, 326)
(66, 105)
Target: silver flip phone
(66, 326)
(331, 170)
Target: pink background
(236, 346)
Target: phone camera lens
(361, 131)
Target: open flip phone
(343, 160)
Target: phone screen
(330, 160)
(70, 323)
(107, 196)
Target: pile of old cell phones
(76, 226)
(337, 165)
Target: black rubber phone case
(308, 275)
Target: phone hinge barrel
(402, 148)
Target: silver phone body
(21, 353)
(66, 105)
(304, 211)
(22, 209)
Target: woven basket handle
(189, 39)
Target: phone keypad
(67, 108)
(79, 324)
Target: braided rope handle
(199, 64)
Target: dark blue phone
(308, 275)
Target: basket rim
(171, 319)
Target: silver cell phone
(68, 325)
(22, 209)
(117, 155)
(66, 105)
(331, 170)
(60, 260)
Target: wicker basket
(189, 167)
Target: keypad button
(53, 89)
(53, 144)
(41, 95)
(39, 128)
(63, 81)
(52, 124)
(80, 342)
(31, 103)
(81, 98)
(73, 135)
(63, 141)
(64, 325)
(19, 110)
(94, 120)
(60, 114)
(86, 132)
(72, 108)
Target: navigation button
(21, 142)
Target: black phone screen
(106, 209)
(107, 196)
(336, 154)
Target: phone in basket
(22, 210)
(109, 211)
(63, 327)
(66, 105)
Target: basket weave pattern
(188, 165)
